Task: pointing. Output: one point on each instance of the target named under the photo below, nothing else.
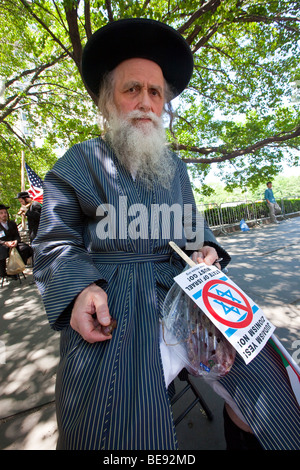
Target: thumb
(101, 308)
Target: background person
(32, 210)
(10, 238)
(272, 204)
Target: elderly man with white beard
(103, 262)
(110, 388)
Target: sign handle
(182, 254)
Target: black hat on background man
(137, 38)
(23, 195)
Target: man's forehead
(139, 67)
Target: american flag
(36, 185)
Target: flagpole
(23, 183)
(22, 171)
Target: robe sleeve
(62, 265)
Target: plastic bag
(243, 226)
(193, 337)
(15, 264)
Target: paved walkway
(265, 264)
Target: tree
(236, 112)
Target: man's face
(270, 185)
(135, 125)
(139, 85)
(3, 215)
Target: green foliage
(283, 187)
(237, 110)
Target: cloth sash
(262, 392)
(125, 257)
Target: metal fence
(211, 212)
(222, 216)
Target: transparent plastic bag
(194, 338)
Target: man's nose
(144, 103)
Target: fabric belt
(125, 257)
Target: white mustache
(136, 115)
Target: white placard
(238, 318)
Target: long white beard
(141, 147)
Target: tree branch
(205, 38)
(210, 5)
(59, 15)
(71, 16)
(18, 97)
(87, 19)
(282, 137)
(109, 11)
(55, 38)
(36, 69)
(10, 128)
(268, 19)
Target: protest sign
(232, 311)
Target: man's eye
(155, 92)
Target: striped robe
(109, 395)
(262, 392)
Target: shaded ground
(265, 264)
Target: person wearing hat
(10, 238)
(32, 210)
(110, 390)
(101, 253)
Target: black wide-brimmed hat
(137, 38)
(3, 206)
(23, 195)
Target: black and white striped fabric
(112, 395)
(262, 392)
(109, 395)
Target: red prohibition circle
(247, 307)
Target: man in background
(10, 238)
(272, 204)
(32, 210)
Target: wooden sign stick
(182, 254)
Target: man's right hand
(90, 313)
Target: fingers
(207, 255)
(210, 255)
(90, 313)
(197, 257)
